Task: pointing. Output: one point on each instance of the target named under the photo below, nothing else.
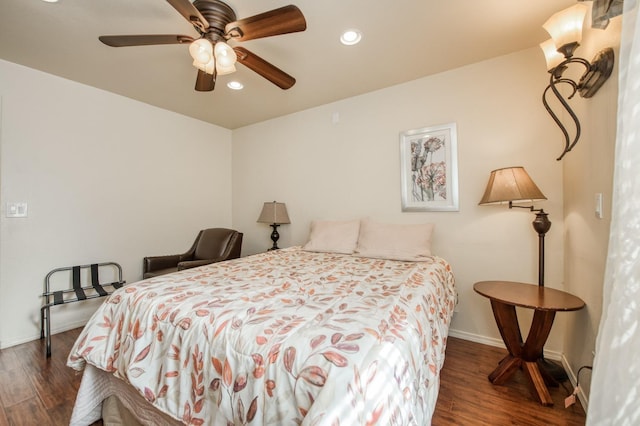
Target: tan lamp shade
(566, 26)
(551, 54)
(273, 212)
(510, 184)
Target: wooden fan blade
(284, 20)
(190, 13)
(144, 40)
(264, 68)
(205, 82)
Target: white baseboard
(498, 343)
(574, 380)
(553, 355)
(54, 330)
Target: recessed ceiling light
(350, 37)
(50, 1)
(235, 85)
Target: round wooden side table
(504, 297)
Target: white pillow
(333, 236)
(394, 242)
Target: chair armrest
(154, 263)
(193, 263)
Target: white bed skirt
(98, 385)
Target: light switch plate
(598, 205)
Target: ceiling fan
(216, 23)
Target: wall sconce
(565, 28)
(274, 214)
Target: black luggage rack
(77, 293)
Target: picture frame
(429, 168)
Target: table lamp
(513, 184)
(275, 214)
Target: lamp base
(275, 236)
(541, 224)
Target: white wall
(106, 178)
(588, 169)
(350, 169)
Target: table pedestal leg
(538, 388)
(505, 370)
(524, 355)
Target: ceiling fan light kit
(220, 60)
(216, 23)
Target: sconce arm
(553, 81)
(596, 73)
(562, 66)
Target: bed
(285, 337)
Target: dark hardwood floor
(468, 398)
(35, 390)
(39, 391)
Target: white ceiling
(402, 40)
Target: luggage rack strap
(57, 297)
(94, 296)
(115, 284)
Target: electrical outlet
(16, 210)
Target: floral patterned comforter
(284, 337)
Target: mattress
(283, 337)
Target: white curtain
(615, 385)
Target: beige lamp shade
(273, 212)
(510, 184)
(566, 26)
(551, 54)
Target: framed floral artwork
(429, 169)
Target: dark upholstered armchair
(211, 245)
